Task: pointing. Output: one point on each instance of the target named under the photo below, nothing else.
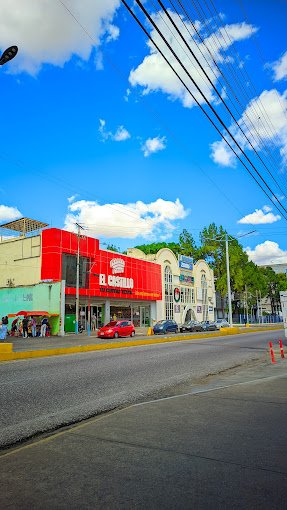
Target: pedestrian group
(26, 327)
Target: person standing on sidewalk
(25, 327)
(2, 331)
(4, 327)
(33, 326)
(44, 323)
(94, 322)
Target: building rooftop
(24, 225)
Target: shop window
(69, 270)
(70, 309)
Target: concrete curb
(12, 356)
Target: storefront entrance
(94, 317)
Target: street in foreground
(43, 394)
(207, 448)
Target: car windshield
(111, 324)
(161, 322)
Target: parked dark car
(209, 326)
(162, 327)
(191, 326)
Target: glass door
(96, 317)
(144, 316)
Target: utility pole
(260, 306)
(246, 300)
(257, 304)
(79, 228)
(228, 281)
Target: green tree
(112, 247)
(155, 247)
(213, 250)
(274, 284)
(187, 244)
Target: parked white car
(222, 323)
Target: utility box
(70, 323)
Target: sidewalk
(209, 448)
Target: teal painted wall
(43, 296)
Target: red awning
(32, 312)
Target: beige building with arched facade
(188, 289)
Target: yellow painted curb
(230, 331)
(4, 348)
(12, 356)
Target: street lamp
(8, 54)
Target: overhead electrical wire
(239, 83)
(217, 92)
(216, 17)
(257, 139)
(260, 51)
(273, 178)
(283, 183)
(273, 197)
(155, 112)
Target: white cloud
(9, 213)
(263, 121)
(154, 74)
(267, 253)
(46, 33)
(72, 198)
(126, 220)
(152, 145)
(120, 135)
(222, 155)
(113, 32)
(128, 92)
(280, 67)
(260, 217)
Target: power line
(212, 40)
(217, 92)
(156, 113)
(242, 68)
(259, 138)
(206, 100)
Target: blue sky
(95, 128)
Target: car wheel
(176, 331)
(132, 333)
(116, 335)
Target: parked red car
(114, 329)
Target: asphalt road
(223, 447)
(43, 394)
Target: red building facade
(112, 285)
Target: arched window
(168, 293)
(204, 296)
